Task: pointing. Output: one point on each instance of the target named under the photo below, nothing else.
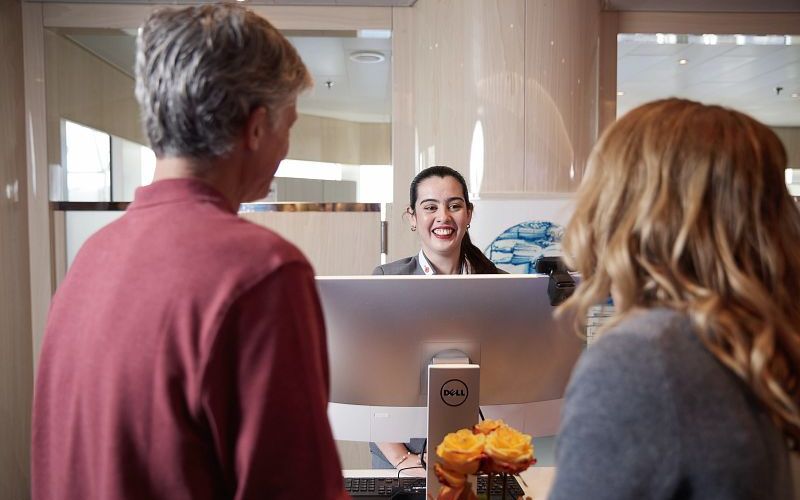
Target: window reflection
(340, 145)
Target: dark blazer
(409, 265)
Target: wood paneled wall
(84, 89)
(16, 363)
(317, 138)
(505, 91)
(336, 243)
(790, 136)
(561, 83)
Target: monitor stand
(453, 404)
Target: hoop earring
(467, 226)
(413, 228)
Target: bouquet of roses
(491, 447)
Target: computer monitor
(384, 331)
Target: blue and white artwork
(516, 249)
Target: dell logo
(457, 392)
(454, 392)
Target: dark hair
(469, 252)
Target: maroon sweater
(184, 357)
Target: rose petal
(462, 493)
(462, 465)
(488, 426)
(494, 465)
(449, 477)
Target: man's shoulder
(214, 241)
(406, 266)
(255, 247)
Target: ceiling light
(709, 39)
(382, 34)
(740, 39)
(795, 95)
(683, 61)
(367, 57)
(619, 92)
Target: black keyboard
(369, 488)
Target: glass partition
(340, 146)
(756, 74)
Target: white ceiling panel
(322, 55)
(743, 77)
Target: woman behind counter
(440, 213)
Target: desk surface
(537, 480)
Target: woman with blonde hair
(692, 391)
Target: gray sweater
(651, 414)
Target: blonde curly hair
(684, 206)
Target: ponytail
(479, 263)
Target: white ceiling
(744, 77)
(359, 91)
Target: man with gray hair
(185, 356)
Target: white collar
(428, 269)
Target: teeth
(443, 231)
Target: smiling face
(441, 216)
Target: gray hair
(201, 71)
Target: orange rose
(461, 451)
(462, 493)
(508, 450)
(488, 426)
(448, 477)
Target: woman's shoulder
(409, 265)
(650, 333)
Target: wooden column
(16, 362)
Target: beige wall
(317, 138)
(16, 371)
(790, 136)
(85, 89)
(336, 243)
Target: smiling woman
(440, 213)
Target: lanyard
(427, 268)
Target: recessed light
(683, 61)
(619, 92)
(373, 33)
(795, 95)
(367, 57)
